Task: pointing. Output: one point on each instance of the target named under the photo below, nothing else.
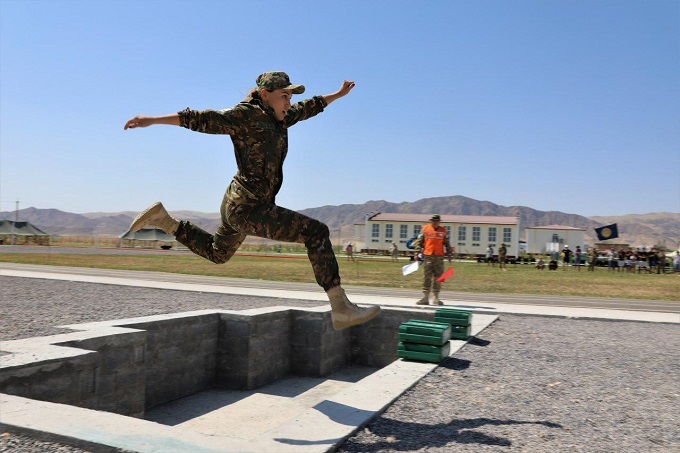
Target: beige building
(468, 234)
(539, 238)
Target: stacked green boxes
(424, 340)
(459, 320)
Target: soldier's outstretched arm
(144, 121)
(344, 90)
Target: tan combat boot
(425, 299)
(155, 215)
(346, 314)
(435, 299)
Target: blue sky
(571, 106)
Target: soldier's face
(278, 100)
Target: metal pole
(16, 219)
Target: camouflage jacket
(260, 143)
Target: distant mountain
(635, 229)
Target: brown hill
(636, 229)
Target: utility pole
(16, 219)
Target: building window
(388, 230)
(555, 238)
(403, 231)
(448, 231)
(416, 230)
(507, 234)
(376, 231)
(492, 234)
(462, 232)
(476, 234)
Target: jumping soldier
(258, 127)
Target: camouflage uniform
(248, 208)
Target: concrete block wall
(375, 343)
(179, 357)
(253, 348)
(119, 380)
(317, 349)
(128, 366)
(69, 380)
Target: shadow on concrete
(292, 386)
(193, 406)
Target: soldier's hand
(346, 87)
(138, 121)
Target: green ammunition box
(460, 332)
(460, 321)
(425, 332)
(423, 352)
(453, 316)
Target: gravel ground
(526, 384)
(543, 385)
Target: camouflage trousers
(268, 221)
(433, 268)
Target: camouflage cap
(277, 81)
(435, 218)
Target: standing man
(592, 259)
(489, 255)
(502, 255)
(577, 258)
(661, 261)
(566, 257)
(432, 241)
(394, 251)
(350, 252)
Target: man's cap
(566, 246)
(436, 218)
(277, 81)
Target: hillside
(636, 229)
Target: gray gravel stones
(526, 384)
(543, 384)
(20, 444)
(34, 307)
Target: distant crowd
(624, 260)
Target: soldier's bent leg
(281, 224)
(274, 222)
(218, 247)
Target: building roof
(20, 228)
(148, 234)
(555, 227)
(446, 218)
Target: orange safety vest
(433, 240)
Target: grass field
(468, 277)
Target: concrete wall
(375, 343)
(128, 366)
(179, 356)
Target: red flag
(445, 275)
